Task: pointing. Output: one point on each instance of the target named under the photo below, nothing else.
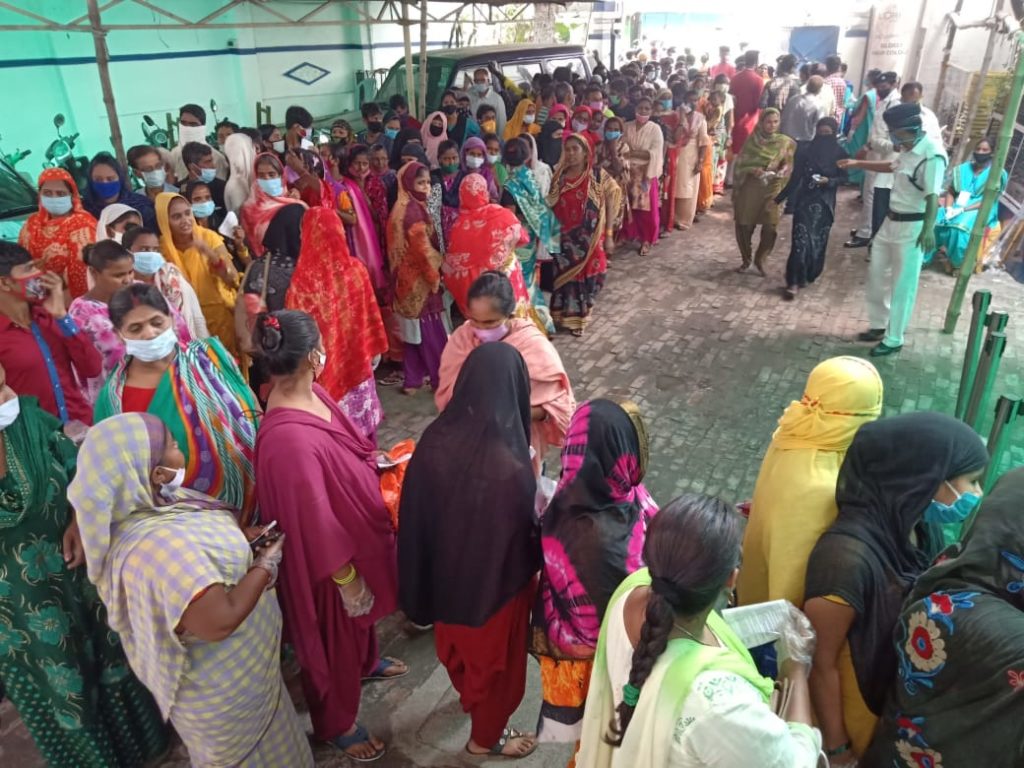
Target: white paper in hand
(227, 227)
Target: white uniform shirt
(879, 146)
(919, 173)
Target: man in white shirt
(912, 93)
(192, 127)
(877, 150)
(908, 230)
(483, 93)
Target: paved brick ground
(712, 357)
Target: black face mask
(436, 130)
(449, 109)
(982, 158)
(375, 126)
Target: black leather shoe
(857, 242)
(874, 334)
(881, 350)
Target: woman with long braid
(673, 686)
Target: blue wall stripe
(63, 61)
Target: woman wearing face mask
(904, 478)
(405, 136)
(115, 220)
(335, 290)
(59, 230)
(434, 133)
(487, 119)
(111, 268)
(415, 259)
(150, 267)
(672, 683)
(64, 670)
(523, 120)
(552, 135)
(523, 197)
(108, 184)
(196, 389)
(474, 160)
(201, 256)
(612, 156)
(484, 238)
(812, 193)
(694, 144)
(461, 124)
(958, 698)
(339, 575)
(646, 163)
(493, 147)
(963, 200)
(761, 172)
(189, 597)
(592, 536)
(273, 141)
(208, 216)
(724, 129)
(585, 200)
(579, 125)
(540, 170)
(449, 175)
(269, 197)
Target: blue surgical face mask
(206, 175)
(154, 179)
(613, 135)
(107, 189)
(666, 104)
(957, 512)
(272, 187)
(57, 206)
(391, 133)
(148, 262)
(202, 210)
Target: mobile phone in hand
(267, 536)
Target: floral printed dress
(62, 666)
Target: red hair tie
(273, 322)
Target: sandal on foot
(507, 736)
(380, 671)
(577, 332)
(391, 379)
(645, 249)
(359, 736)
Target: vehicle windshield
(438, 73)
(16, 197)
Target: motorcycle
(61, 154)
(155, 135)
(15, 157)
(211, 137)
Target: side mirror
(213, 105)
(58, 120)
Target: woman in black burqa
(897, 472)
(468, 544)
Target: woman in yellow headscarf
(794, 498)
(201, 255)
(523, 120)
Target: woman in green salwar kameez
(62, 666)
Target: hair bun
(269, 332)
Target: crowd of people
(189, 410)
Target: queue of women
(191, 476)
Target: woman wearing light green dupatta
(673, 686)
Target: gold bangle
(346, 579)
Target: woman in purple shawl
(361, 232)
(317, 478)
(474, 160)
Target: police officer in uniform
(908, 231)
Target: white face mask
(474, 162)
(173, 485)
(151, 350)
(9, 411)
(116, 237)
(279, 147)
(318, 367)
(187, 133)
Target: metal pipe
(99, 41)
(974, 99)
(1008, 409)
(946, 53)
(991, 196)
(988, 368)
(980, 301)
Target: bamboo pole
(991, 196)
(974, 100)
(422, 101)
(410, 92)
(946, 53)
(103, 64)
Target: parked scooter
(155, 135)
(211, 137)
(61, 153)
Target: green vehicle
(17, 202)
(453, 68)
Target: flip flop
(506, 736)
(382, 666)
(359, 736)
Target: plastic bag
(392, 465)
